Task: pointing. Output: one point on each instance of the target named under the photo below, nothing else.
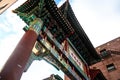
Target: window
(104, 53)
(110, 67)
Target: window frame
(110, 67)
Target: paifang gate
(52, 34)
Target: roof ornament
(66, 7)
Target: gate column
(16, 63)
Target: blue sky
(99, 18)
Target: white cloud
(40, 70)
(98, 19)
(4, 28)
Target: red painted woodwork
(15, 65)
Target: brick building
(110, 64)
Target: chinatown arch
(55, 35)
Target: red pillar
(16, 63)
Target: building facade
(110, 64)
